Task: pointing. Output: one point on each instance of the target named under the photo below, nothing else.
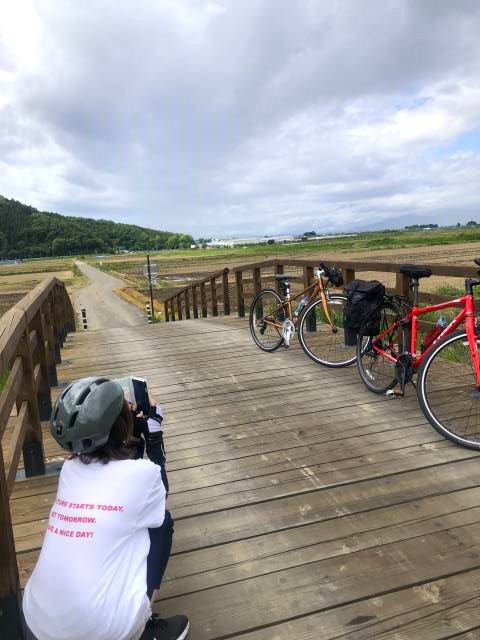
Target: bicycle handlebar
(332, 273)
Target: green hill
(26, 232)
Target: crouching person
(90, 580)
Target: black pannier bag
(362, 310)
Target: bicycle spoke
(448, 393)
(266, 319)
(322, 335)
(376, 369)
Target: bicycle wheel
(447, 393)
(266, 314)
(376, 370)
(322, 343)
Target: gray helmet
(84, 414)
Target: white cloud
(226, 117)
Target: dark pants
(160, 538)
(160, 547)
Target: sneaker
(175, 628)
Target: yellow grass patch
(139, 300)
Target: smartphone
(136, 393)
(141, 395)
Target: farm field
(16, 280)
(179, 268)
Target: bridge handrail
(32, 333)
(349, 267)
(192, 287)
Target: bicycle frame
(467, 315)
(318, 287)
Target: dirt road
(104, 307)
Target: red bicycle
(447, 366)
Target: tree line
(26, 232)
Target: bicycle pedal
(394, 393)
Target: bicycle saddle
(281, 277)
(415, 271)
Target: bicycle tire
(273, 339)
(446, 391)
(377, 372)
(318, 340)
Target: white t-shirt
(90, 580)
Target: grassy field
(16, 280)
(178, 268)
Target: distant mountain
(26, 232)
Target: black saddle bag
(362, 310)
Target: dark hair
(116, 446)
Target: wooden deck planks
(305, 506)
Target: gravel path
(105, 309)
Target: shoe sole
(184, 633)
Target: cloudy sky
(243, 117)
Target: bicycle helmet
(84, 414)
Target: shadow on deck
(305, 506)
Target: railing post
(11, 625)
(307, 276)
(257, 287)
(307, 281)
(213, 293)
(172, 308)
(48, 331)
(240, 294)
(33, 455)
(203, 299)
(55, 324)
(179, 307)
(187, 304)
(195, 302)
(402, 285)
(348, 276)
(165, 311)
(44, 398)
(278, 271)
(60, 315)
(71, 312)
(226, 293)
(257, 280)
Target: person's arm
(154, 444)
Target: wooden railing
(192, 300)
(262, 272)
(31, 336)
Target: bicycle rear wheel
(376, 370)
(267, 314)
(321, 342)
(447, 393)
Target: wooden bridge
(305, 507)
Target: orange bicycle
(318, 318)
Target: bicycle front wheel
(322, 342)
(267, 315)
(447, 391)
(377, 370)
